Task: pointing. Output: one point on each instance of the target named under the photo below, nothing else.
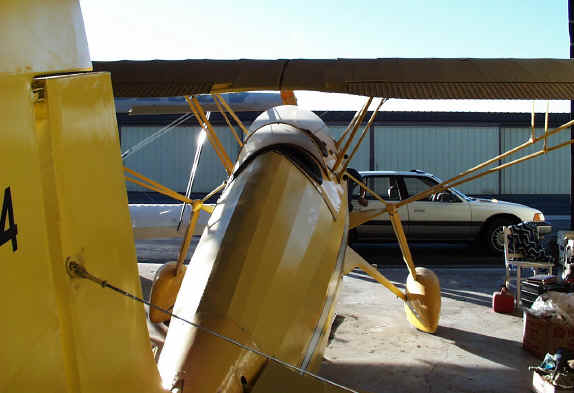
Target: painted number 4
(8, 234)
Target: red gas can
(503, 301)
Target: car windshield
(460, 194)
(454, 190)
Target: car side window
(416, 184)
(385, 186)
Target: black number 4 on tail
(8, 212)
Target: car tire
(493, 238)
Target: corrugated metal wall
(444, 151)
(361, 159)
(168, 160)
(548, 174)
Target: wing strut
(211, 135)
(193, 171)
(364, 133)
(232, 113)
(390, 208)
(216, 99)
(352, 130)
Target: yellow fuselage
(270, 260)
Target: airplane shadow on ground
(425, 376)
(498, 350)
(480, 299)
(425, 254)
(502, 367)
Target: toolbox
(536, 285)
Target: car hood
(483, 208)
(500, 203)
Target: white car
(446, 216)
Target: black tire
(492, 236)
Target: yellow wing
(389, 78)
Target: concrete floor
(376, 350)
(473, 350)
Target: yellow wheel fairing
(271, 248)
(164, 289)
(423, 300)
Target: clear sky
(226, 29)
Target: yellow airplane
(253, 310)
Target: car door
(441, 216)
(380, 228)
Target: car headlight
(538, 217)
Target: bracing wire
(146, 141)
(77, 270)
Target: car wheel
(493, 235)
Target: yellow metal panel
(42, 36)
(83, 181)
(31, 356)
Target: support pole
(571, 32)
